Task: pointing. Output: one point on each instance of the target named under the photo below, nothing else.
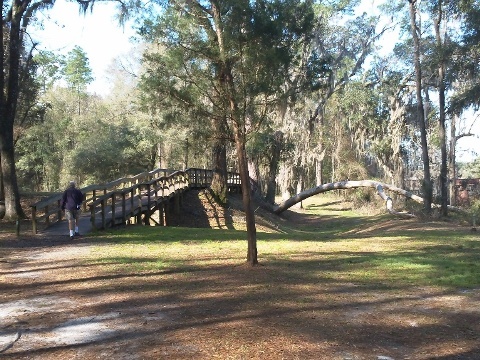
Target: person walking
(71, 202)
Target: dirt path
(55, 305)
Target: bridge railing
(123, 204)
(201, 177)
(130, 195)
(49, 210)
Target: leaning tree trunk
(353, 185)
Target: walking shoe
(71, 237)
(77, 234)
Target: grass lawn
(331, 284)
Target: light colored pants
(72, 215)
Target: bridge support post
(114, 214)
(139, 209)
(92, 218)
(124, 208)
(148, 212)
(161, 214)
(167, 213)
(34, 220)
(176, 203)
(47, 217)
(104, 220)
(59, 212)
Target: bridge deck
(160, 197)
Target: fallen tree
(347, 184)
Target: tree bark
(246, 195)
(228, 86)
(8, 104)
(273, 167)
(13, 209)
(427, 182)
(452, 160)
(2, 193)
(255, 178)
(441, 119)
(219, 180)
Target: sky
(97, 33)
(103, 40)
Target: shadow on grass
(178, 295)
(344, 298)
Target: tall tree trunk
(2, 193)
(13, 209)
(427, 182)
(2, 190)
(239, 134)
(273, 168)
(452, 160)
(286, 179)
(219, 181)
(8, 106)
(161, 155)
(227, 84)
(300, 184)
(255, 178)
(187, 149)
(396, 131)
(318, 170)
(441, 119)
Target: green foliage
(103, 157)
(475, 209)
(76, 69)
(103, 143)
(261, 147)
(470, 170)
(184, 75)
(49, 68)
(468, 66)
(39, 160)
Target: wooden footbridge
(146, 198)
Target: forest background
(317, 98)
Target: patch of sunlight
(402, 264)
(83, 330)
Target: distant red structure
(466, 190)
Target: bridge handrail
(52, 204)
(167, 186)
(166, 181)
(163, 179)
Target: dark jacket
(72, 199)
